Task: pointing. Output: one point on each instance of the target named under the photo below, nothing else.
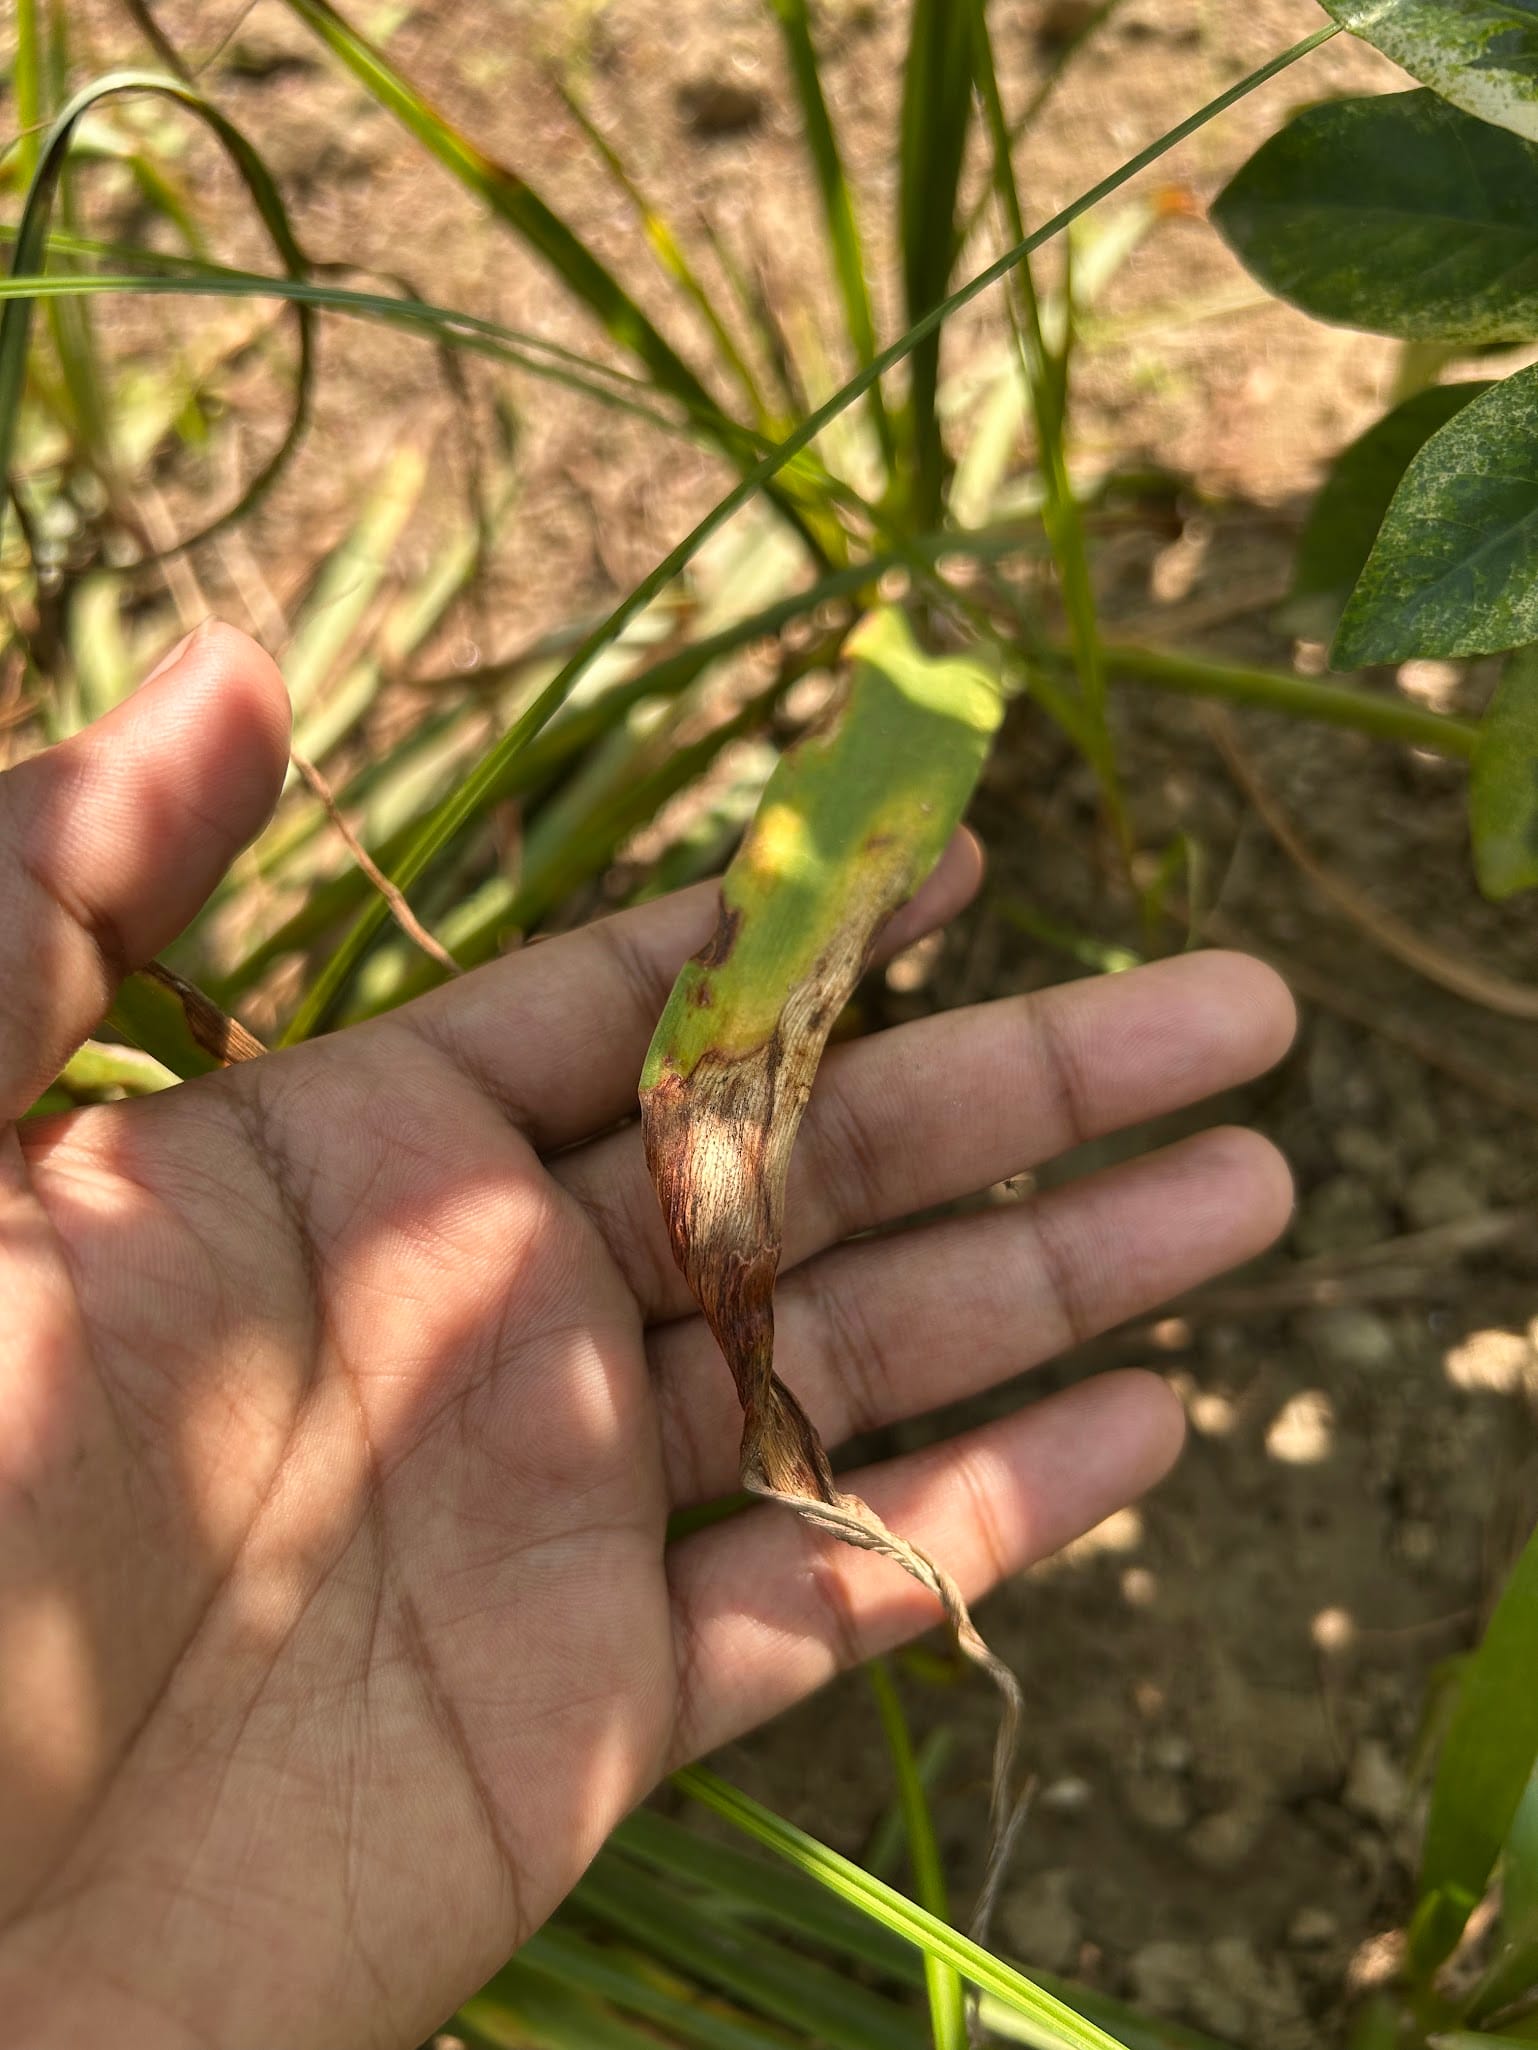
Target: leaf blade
(1395, 213)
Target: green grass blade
(1060, 2026)
(469, 799)
(799, 1992)
(844, 240)
(30, 251)
(1487, 1760)
(1046, 377)
(514, 201)
(638, 1985)
(736, 1882)
(947, 2003)
(670, 253)
(27, 85)
(936, 115)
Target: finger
(765, 1612)
(556, 1035)
(110, 842)
(938, 1109)
(876, 1332)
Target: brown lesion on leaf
(717, 950)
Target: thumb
(111, 842)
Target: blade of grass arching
(797, 1991)
(1060, 2027)
(514, 201)
(936, 114)
(467, 801)
(737, 1884)
(844, 240)
(1064, 51)
(31, 244)
(637, 1985)
(1046, 377)
(1487, 1759)
(669, 252)
(942, 1982)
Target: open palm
(344, 1397)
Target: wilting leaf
(1503, 785)
(849, 825)
(1344, 519)
(1395, 213)
(1480, 54)
(1454, 570)
(1486, 1763)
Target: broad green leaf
(1480, 54)
(1395, 213)
(1344, 519)
(1454, 570)
(850, 823)
(1503, 785)
(1486, 1763)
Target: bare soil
(1225, 1684)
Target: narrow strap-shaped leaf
(837, 203)
(936, 115)
(1057, 2026)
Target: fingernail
(173, 655)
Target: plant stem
(1332, 704)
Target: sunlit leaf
(1454, 570)
(1480, 54)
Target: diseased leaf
(1503, 784)
(1344, 519)
(850, 823)
(1480, 54)
(1395, 213)
(1486, 1763)
(1454, 570)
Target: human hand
(344, 1396)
